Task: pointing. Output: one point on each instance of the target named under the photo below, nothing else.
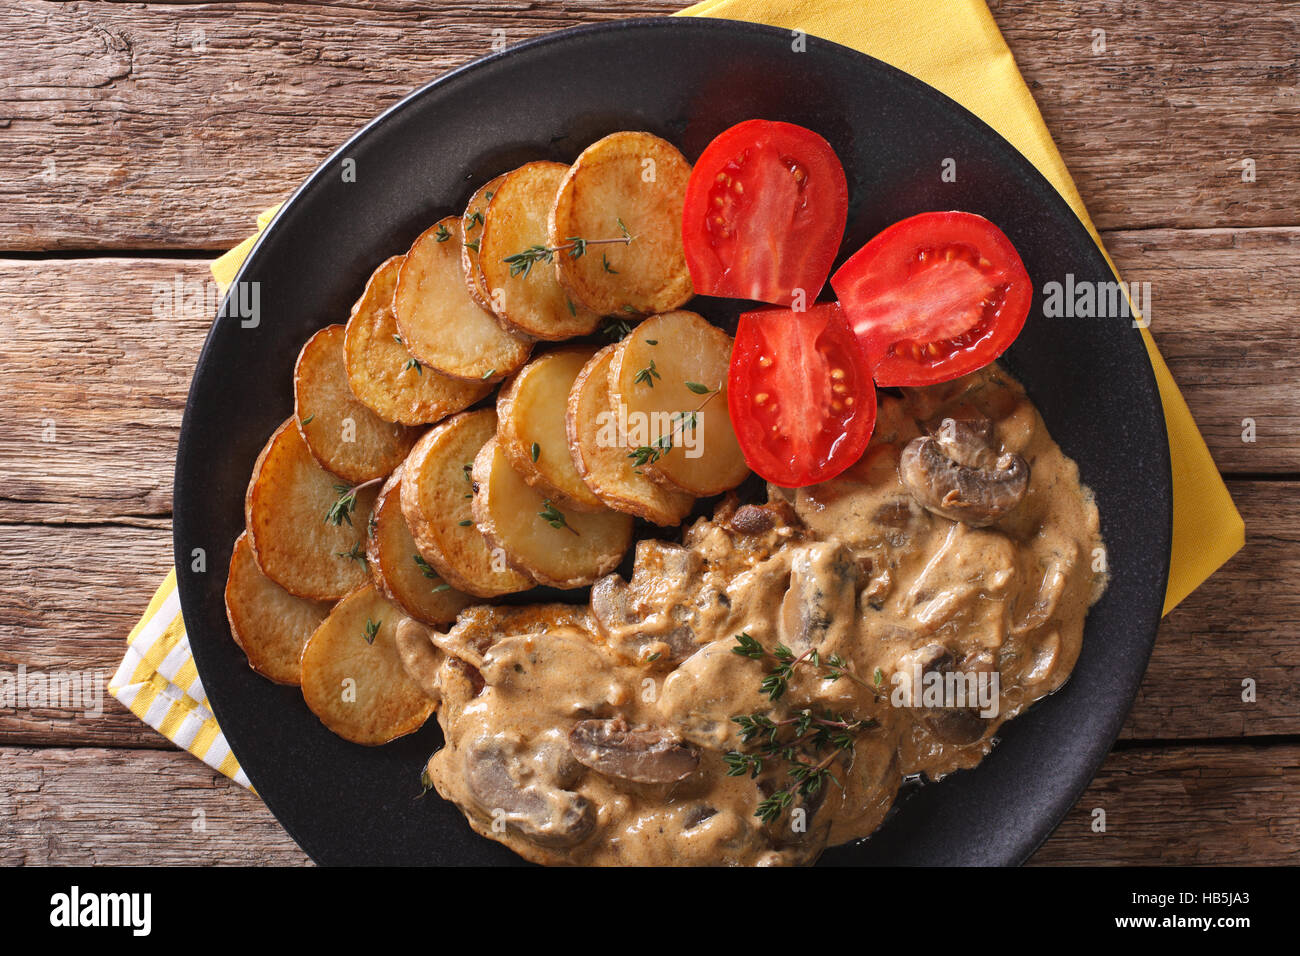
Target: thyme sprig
(649, 454)
(372, 630)
(555, 517)
(808, 742)
(521, 263)
(356, 554)
(615, 329)
(777, 681)
(342, 509)
(427, 570)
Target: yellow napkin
(955, 46)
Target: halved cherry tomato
(934, 297)
(800, 394)
(764, 214)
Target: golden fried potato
(436, 495)
(438, 321)
(599, 450)
(563, 549)
(530, 427)
(353, 678)
(471, 227)
(345, 436)
(384, 376)
(397, 567)
(268, 623)
(625, 184)
(287, 512)
(526, 296)
(669, 372)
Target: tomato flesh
(800, 394)
(934, 297)
(764, 214)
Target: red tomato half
(800, 394)
(764, 213)
(934, 297)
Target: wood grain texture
(73, 592)
(1154, 128)
(1176, 805)
(1186, 806)
(97, 807)
(134, 126)
(1224, 316)
(95, 365)
(1242, 623)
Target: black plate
(686, 80)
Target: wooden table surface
(138, 141)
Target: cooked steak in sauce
(961, 545)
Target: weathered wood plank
(1224, 316)
(1243, 623)
(169, 126)
(1186, 806)
(92, 356)
(1177, 805)
(73, 592)
(1154, 126)
(94, 371)
(97, 807)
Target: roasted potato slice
(599, 450)
(269, 624)
(384, 376)
(530, 427)
(527, 297)
(398, 568)
(564, 550)
(471, 228)
(626, 181)
(286, 510)
(438, 321)
(352, 676)
(436, 494)
(670, 371)
(345, 436)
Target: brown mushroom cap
(959, 475)
(648, 755)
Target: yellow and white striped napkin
(956, 47)
(158, 682)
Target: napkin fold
(952, 45)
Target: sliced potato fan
(343, 435)
(668, 380)
(530, 427)
(600, 453)
(398, 568)
(627, 184)
(269, 624)
(436, 496)
(471, 227)
(383, 375)
(287, 512)
(563, 549)
(352, 675)
(438, 321)
(524, 292)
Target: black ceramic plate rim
(1045, 824)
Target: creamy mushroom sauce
(855, 567)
